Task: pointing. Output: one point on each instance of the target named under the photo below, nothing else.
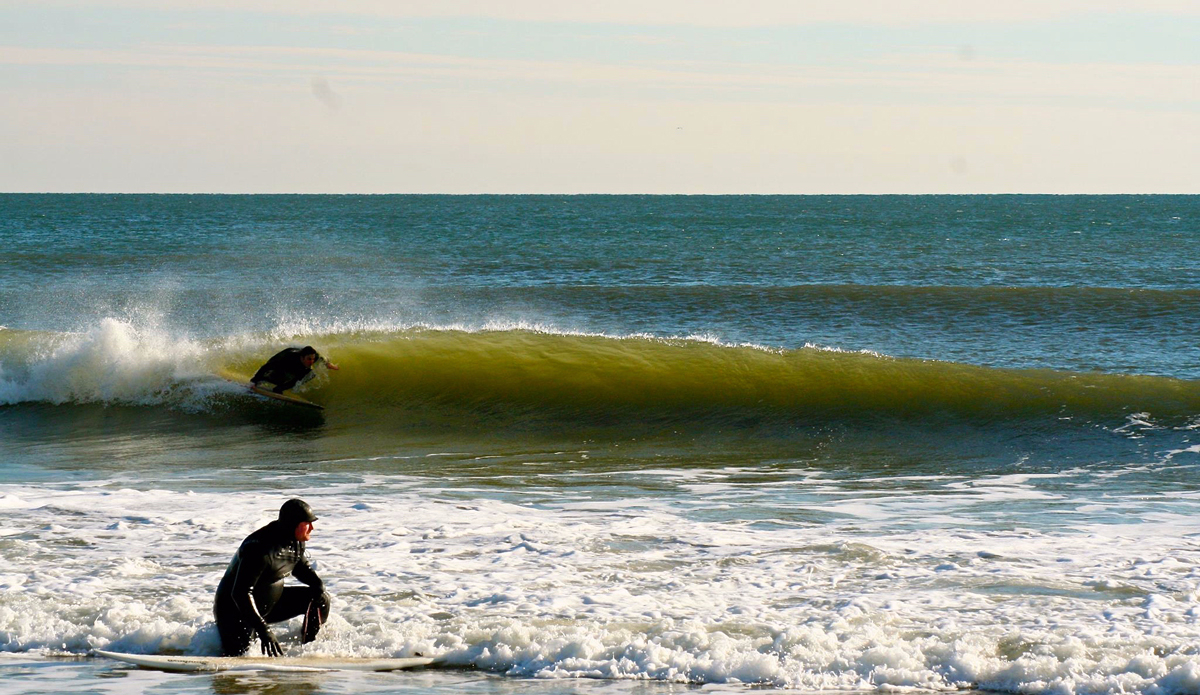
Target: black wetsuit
(252, 593)
(284, 370)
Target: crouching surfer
(289, 367)
(252, 595)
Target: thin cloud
(712, 13)
(930, 78)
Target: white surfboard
(266, 663)
(285, 397)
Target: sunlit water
(612, 444)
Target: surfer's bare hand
(331, 365)
(270, 645)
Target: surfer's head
(296, 510)
(309, 355)
(296, 514)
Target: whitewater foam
(114, 362)
(646, 589)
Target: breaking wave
(514, 375)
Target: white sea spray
(636, 590)
(113, 362)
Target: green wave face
(521, 377)
(514, 374)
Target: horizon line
(578, 194)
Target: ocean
(612, 444)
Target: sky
(624, 96)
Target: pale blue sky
(668, 97)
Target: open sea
(612, 444)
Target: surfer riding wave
(289, 367)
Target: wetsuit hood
(295, 511)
